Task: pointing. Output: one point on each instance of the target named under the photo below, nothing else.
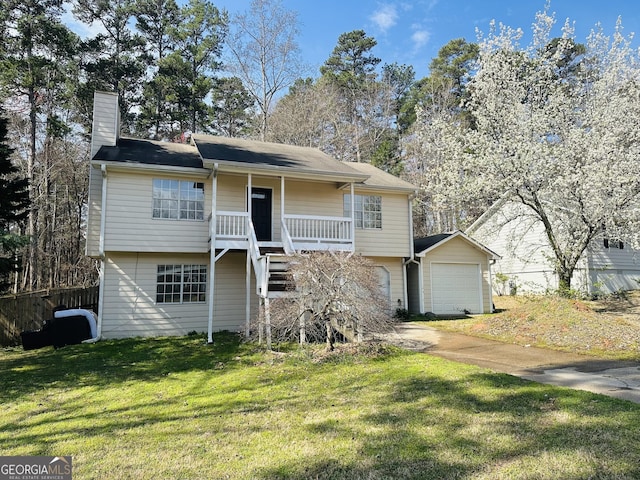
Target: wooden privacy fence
(28, 311)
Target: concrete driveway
(607, 377)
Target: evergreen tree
(231, 104)
(115, 60)
(187, 72)
(14, 202)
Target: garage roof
(422, 246)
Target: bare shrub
(332, 292)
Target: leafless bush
(332, 292)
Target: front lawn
(177, 408)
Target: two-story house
(191, 236)
(526, 259)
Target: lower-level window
(181, 283)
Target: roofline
(145, 167)
(360, 186)
(486, 215)
(228, 166)
(459, 233)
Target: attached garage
(450, 275)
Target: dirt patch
(608, 327)
(625, 303)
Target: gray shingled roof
(421, 244)
(380, 178)
(149, 152)
(276, 156)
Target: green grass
(177, 408)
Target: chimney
(106, 121)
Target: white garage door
(455, 288)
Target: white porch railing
(319, 233)
(299, 232)
(231, 225)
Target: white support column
(212, 256)
(249, 194)
(247, 307)
(267, 321)
(281, 200)
(353, 216)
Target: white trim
(212, 255)
(461, 234)
(103, 211)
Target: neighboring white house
(526, 262)
(191, 237)
(451, 274)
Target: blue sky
(412, 31)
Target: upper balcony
(298, 232)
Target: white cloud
(385, 17)
(420, 38)
(81, 29)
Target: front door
(261, 211)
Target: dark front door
(261, 210)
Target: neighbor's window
(368, 210)
(613, 244)
(178, 199)
(181, 283)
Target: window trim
(360, 211)
(181, 214)
(200, 292)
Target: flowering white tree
(556, 130)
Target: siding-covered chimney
(106, 121)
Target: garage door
(455, 288)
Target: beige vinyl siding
(313, 198)
(106, 121)
(129, 304)
(130, 307)
(94, 212)
(457, 251)
(394, 237)
(130, 226)
(394, 266)
(230, 297)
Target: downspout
(412, 259)
(212, 255)
(491, 263)
(353, 216)
(411, 253)
(103, 221)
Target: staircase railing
(259, 262)
(287, 241)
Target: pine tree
(14, 200)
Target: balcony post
(212, 257)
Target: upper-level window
(178, 199)
(368, 210)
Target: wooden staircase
(279, 278)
